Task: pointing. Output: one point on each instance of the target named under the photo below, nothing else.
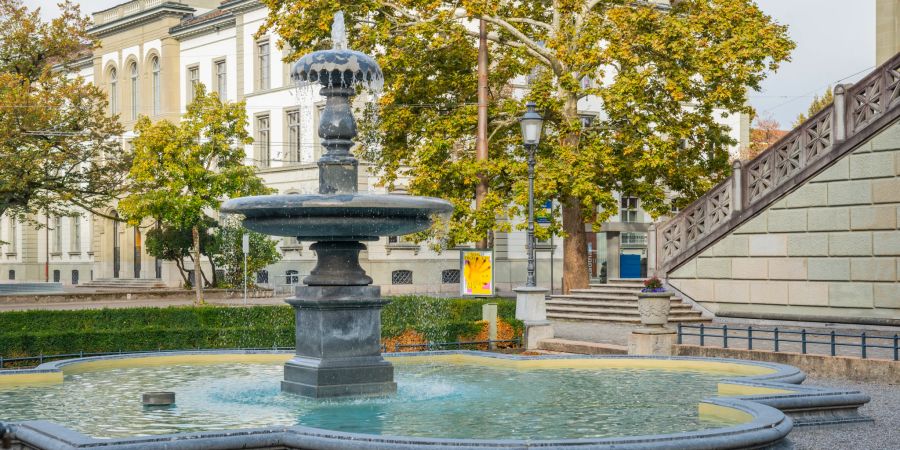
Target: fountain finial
(338, 32)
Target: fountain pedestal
(338, 343)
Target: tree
(230, 254)
(662, 75)
(818, 104)
(181, 171)
(58, 146)
(766, 132)
(175, 244)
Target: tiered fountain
(338, 310)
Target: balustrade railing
(796, 157)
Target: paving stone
(788, 269)
(850, 295)
(768, 245)
(858, 243)
(873, 217)
(808, 244)
(749, 268)
(808, 195)
(808, 294)
(873, 269)
(787, 220)
(873, 165)
(856, 192)
(829, 269)
(828, 219)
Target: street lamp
(532, 124)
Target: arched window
(113, 92)
(134, 90)
(156, 95)
(292, 277)
(401, 277)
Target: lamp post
(532, 124)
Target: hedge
(29, 333)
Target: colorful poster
(477, 268)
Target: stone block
(807, 244)
(749, 268)
(897, 163)
(780, 204)
(699, 290)
(856, 192)
(873, 217)
(829, 269)
(889, 139)
(754, 225)
(809, 195)
(714, 268)
(788, 269)
(808, 294)
(768, 245)
(887, 295)
(873, 269)
(873, 165)
(857, 243)
(769, 292)
(729, 291)
(688, 270)
(887, 243)
(851, 295)
(839, 171)
(886, 191)
(828, 219)
(645, 343)
(732, 245)
(787, 220)
(534, 333)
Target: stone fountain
(338, 310)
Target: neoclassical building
(151, 55)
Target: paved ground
(883, 434)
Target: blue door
(630, 266)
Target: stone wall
(828, 251)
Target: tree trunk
(575, 257)
(198, 272)
(481, 143)
(180, 265)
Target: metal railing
(805, 338)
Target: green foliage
(52, 122)
(229, 254)
(647, 64)
(27, 333)
(818, 104)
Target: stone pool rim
(763, 397)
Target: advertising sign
(477, 269)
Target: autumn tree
(183, 172)
(817, 104)
(765, 132)
(58, 146)
(661, 74)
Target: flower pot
(654, 308)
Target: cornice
(181, 32)
(141, 17)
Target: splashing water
(338, 32)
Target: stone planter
(654, 308)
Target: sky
(835, 42)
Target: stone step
(637, 281)
(611, 304)
(581, 348)
(674, 313)
(581, 317)
(600, 296)
(606, 287)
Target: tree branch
(536, 23)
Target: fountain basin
(318, 217)
(444, 400)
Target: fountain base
(338, 343)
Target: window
(134, 90)
(263, 144)
(12, 274)
(74, 277)
(57, 235)
(156, 94)
(113, 92)
(586, 82)
(393, 240)
(587, 120)
(401, 277)
(56, 276)
(262, 277)
(293, 121)
(263, 66)
(12, 235)
(631, 238)
(221, 79)
(76, 234)
(629, 209)
(450, 276)
(291, 277)
(193, 81)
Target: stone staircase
(615, 301)
(124, 284)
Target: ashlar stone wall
(828, 251)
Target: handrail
(858, 112)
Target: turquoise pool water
(434, 399)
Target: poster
(477, 268)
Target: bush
(30, 333)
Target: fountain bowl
(337, 217)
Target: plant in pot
(653, 303)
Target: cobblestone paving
(883, 434)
